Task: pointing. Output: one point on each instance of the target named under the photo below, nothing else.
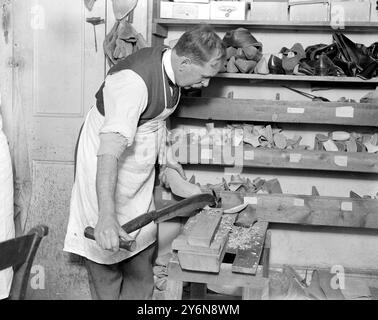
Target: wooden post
(266, 254)
(173, 290)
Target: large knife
(182, 208)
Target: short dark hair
(200, 44)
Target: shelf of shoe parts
(160, 30)
(295, 209)
(313, 112)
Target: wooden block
(247, 258)
(198, 258)
(204, 231)
(198, 261)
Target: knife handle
(129, 245)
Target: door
(55, 75)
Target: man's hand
(108, 231)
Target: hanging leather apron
(134, 191)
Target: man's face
(192, 75)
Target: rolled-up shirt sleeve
(125, 98)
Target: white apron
(134, 192)
(6, 208)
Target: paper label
(295, 110)
(249, 155)
(345, 112)
(295, 157)
(298, 202)
(250, 200)
(341, 161)
(206, 154)
(166, 195)
(347, 206)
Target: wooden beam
(280, 77)
(302, 209)
(288, 159)
(308, 210)
(313, 26)
(224, 277)
(357, 114)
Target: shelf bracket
(159, 31)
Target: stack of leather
(268, 137)
(287, 60)
(244, 52)
(240, 184)
(341, 58)
(347, 142)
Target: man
(119, 144)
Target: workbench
(211, 250)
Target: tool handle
(129, 245)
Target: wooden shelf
(340, 113)
(282, 77)
(315, 26)
(247, 156)
(296, 209)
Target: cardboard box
(271, 10)
(228, 10)
(374, 11)
(351, 10)
(176, 10)
(304, 10)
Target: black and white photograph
(188, 155)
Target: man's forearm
(106, 182)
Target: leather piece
(240, 38)
(275, 65)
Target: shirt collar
(167, 63)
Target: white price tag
(295, 110)
(250, 200)
(341, 161)
(347, 206)
(298, 202)
(249, 155)
(295, 157)
(345, 112)
(166, 195)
